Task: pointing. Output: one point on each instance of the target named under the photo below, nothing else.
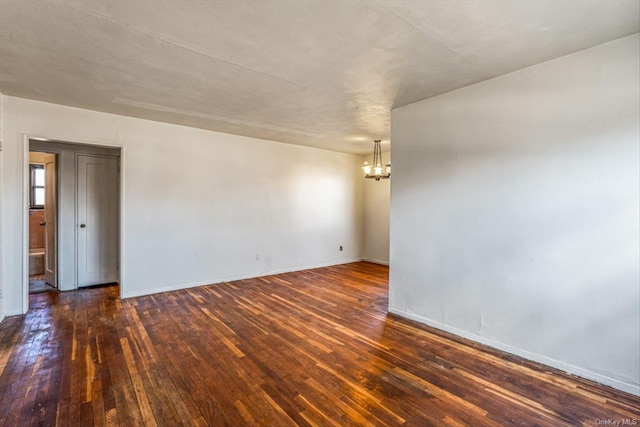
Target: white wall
(514, 216)
(376, 217)
(197, 205)
(2, 310)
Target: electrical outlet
(258, 256)
(340, 248)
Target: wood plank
(309, 348)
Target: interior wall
(376, 217)
(2, 207)
(37, 157)
(198, 206)
(515, 213)
(36, 231)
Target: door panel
(97, 220)
(50, 219)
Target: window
(37, 186)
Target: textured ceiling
(319, 73)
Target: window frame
(32, 185)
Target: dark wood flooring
(311, 348)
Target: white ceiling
(322, 73)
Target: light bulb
(366, 168)
(378, 170)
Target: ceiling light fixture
(376, 171)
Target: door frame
(26, 139)
(56, 155)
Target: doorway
(73, 194)
(42, 222)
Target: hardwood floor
(310, 348)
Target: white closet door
(97, 220)
(50, 219)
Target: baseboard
(13, 313)
(375, 261)
(563, 366)
(170, 288)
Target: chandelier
(376, 171)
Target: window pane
(39, 196)
(39, 177)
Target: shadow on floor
(38, 285)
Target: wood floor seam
(307, 348)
